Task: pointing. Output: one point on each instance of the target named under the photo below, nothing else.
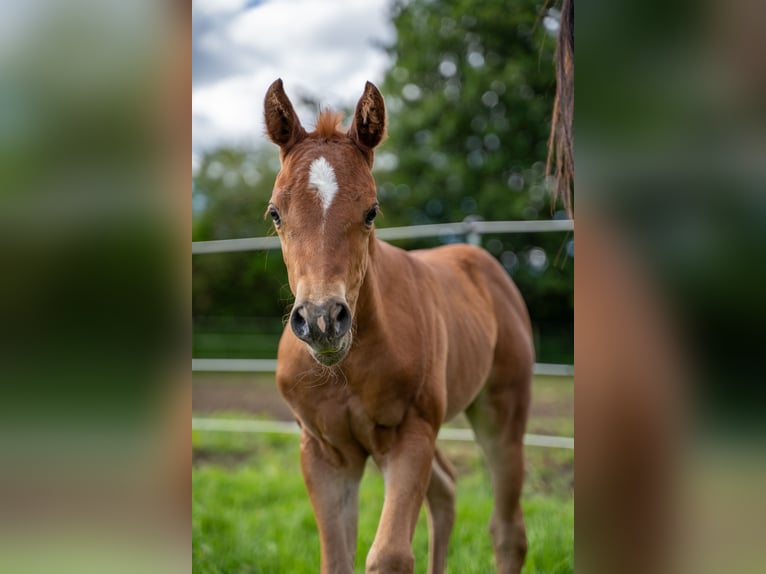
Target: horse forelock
(328, 124)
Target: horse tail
(561, 139)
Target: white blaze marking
(322, 177)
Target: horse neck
(370, 304)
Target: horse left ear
(369, 126)
(282, 124)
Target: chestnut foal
(383, 346)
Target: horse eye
(370, 217)
(274, 215)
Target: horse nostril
(342, 319)
(299, 324)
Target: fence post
(472, 235)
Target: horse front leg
(406, 468)
(332, 480)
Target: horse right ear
(282, 124)
(369, 125)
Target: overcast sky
(326, 49)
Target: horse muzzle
(324, 327)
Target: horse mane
(561, 139)
(328, 124)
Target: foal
(383, 346)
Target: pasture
(251, 514)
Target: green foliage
(470, 95)
(230, 193)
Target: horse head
(323, 206)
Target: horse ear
(282, 124)
(369, 126)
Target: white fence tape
(466, 228)
(270, 366)
(280, 427)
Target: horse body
(383, 346)
(437, 358)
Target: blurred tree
(238, 299)
(230, 192)
(470, 95)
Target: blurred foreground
(94, 180)
(671, 223)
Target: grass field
(251, 513)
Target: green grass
(250, 511)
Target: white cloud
(324, 49)
(218, 6)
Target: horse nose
(321, 324)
